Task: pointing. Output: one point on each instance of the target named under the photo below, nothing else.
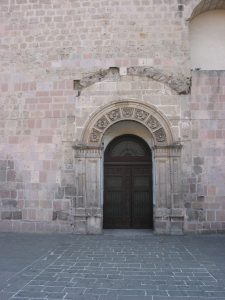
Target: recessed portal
(128, 200)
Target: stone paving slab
(117, 265)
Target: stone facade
(73, 73)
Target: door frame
(169, 210)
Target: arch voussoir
(149, 116)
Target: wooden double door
(128, 185)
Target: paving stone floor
(117, 265)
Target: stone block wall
(35, 121)
(42, 37)
(205, 197)
(47, 48)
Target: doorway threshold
(128, 232)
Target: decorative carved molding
(112, 73)
(102, 123)
(141, 114)
(152, 123)
(160, 135)
(95, 135)
(129, 111)
(171, 150)
(176, 145)
(178, 82)
(114, 115)
(166, 153)
(86, 147)
(86, 151)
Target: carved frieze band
(130, 113)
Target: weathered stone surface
(17, 215)
(3, 176)
(60, 215)
(10, 202)
(60, 193)
(3, 164)
(11, 215)
(129, 81)
(177, 82)
(70, 191)
(6, 215)
(54, 216)
(111, 73)
(198, 160)
(11, 175)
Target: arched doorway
(128, 197)
(100, 130)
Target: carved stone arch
(115, 112)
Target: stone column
(87, 209)
(168, 212)
(177, 207)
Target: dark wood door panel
(117, 197)
(116, 211)
(127, 197)
(128, 184)
(141, 210)
(141, 198)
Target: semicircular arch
(148, 115)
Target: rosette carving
(114, 115)
(124, 111)
(102, 123)
(95, 135)
(127, 112)
(141, 114)
(152, 123)
(160, 135)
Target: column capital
(88, 151)
(172, 150)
